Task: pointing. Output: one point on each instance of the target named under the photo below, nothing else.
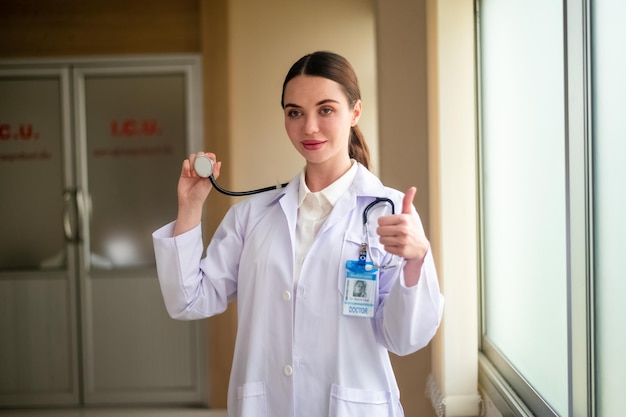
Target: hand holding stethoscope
(192, 183)
(193, 190)
(402, 235)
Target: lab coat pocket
(354, 240)
(353, 402)
(251, 398)
(351, 248)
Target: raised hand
(402, 235)
(192, 193)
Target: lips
(312, 145)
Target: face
(318, 118)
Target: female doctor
(291, 257)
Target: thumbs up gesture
(402, 234)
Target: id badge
(360, 290)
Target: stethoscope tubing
(203, 166)
(378, 200)
(244, 193)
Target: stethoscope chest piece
(203, 166)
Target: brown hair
(336, 68)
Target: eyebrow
(319, 103)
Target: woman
(288, 257)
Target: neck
(320, 176)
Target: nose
(311, 125)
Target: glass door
(134, 126)
(38, 241)
(90, 153)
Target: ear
(356, 112)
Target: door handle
(70, 212)
(83, 208)
(77, 209)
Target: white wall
(452, 147)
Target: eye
(293, 113)
(326, 111)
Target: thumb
(407, 201)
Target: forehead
(306, 89)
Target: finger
(407, 201)
(216, 170)
(192, 160)
(184, 172)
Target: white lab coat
(296, 354)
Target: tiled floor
(116, 412)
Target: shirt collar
(334, 190)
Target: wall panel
(35, 28)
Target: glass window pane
(31, 173)
(609, 89)
(136, 139)
(523, 171)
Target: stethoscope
(204, 167)
(365, 246)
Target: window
(552, 203)
(523, 191)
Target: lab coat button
(286, 295)
(288, 370)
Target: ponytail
(357, 148)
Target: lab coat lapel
(288, 201)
